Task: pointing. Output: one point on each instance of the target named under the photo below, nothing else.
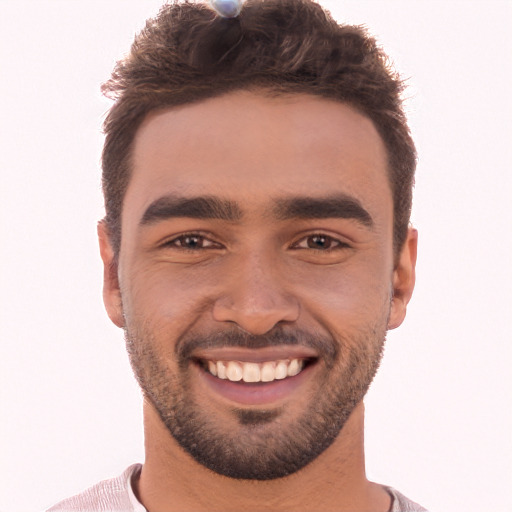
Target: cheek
(356, 290)
(164, 293)
(176, 296)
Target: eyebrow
(201, 207)
(339, 206)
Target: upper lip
(257, 355)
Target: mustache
(325, 346)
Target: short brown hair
(188, 53)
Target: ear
(404, 277)
(111, 289)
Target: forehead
(251, 148)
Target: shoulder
(108, 495)
(403, 504)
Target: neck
(172, 480)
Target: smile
(254, 376)
(250, 372)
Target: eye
(321, 242)
(192, 242)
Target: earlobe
(111, 289)
(404, 277)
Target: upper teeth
(256, 372)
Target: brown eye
(319, 242)
(191, 242)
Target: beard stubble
(264, 445)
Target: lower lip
(257, 393)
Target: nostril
(256, 318)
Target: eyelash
(339, 245)
(173, 243)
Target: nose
(256, 298)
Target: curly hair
(188, 53)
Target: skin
(257, 272)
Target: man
(257, 173)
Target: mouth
(254, 377)
(250, 372)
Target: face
(256, 278)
